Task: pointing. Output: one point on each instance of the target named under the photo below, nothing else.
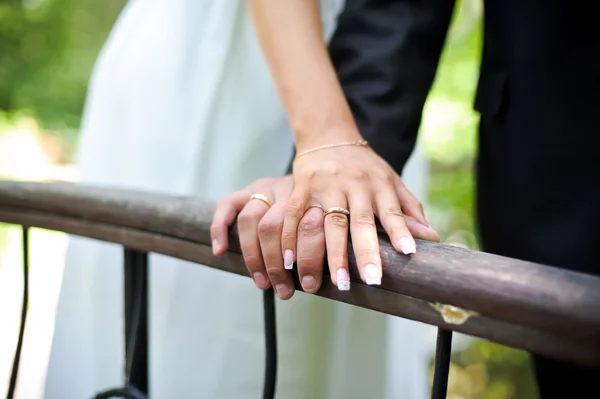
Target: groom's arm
(386, 53)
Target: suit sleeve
(386, 53)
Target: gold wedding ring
(337, 209)
(262, 198)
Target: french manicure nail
(282, 290)
(372, 275)
(259, 279)
(407, 246)
(288, 259)
(215, 246)
(343, 281)
(309, 282)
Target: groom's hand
(260, 222)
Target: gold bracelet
(358, 143)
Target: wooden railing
(542, 309)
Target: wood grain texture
(521, 304)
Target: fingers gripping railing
(542, 309)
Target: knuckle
(310, 224)
(364, 219)
(359, 174)
(310, 233)
(338, 220)
(269, 227)
(252, 261)
(384, 175)
(408, 203)
(295, 207)
(276, 272)
(393, 211)
(246, 218)
(273, 269)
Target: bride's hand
(357, 179)
(291, 38)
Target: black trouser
(565, 381)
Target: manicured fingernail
(288, 259)
(372, 275)
(309, 282)
(259, 279)
(215, 246)
(282, 290)
(343, 281)
(407, 246)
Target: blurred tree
(47, 50)
(32, 37)
(448, 132)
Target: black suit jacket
(538, 175)
(386, 54)
(538, 168)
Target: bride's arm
(343, 176)
(292, 41)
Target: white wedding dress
(181, 102)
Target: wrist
(356, 143)
(310, 139)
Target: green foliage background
(47, 51)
